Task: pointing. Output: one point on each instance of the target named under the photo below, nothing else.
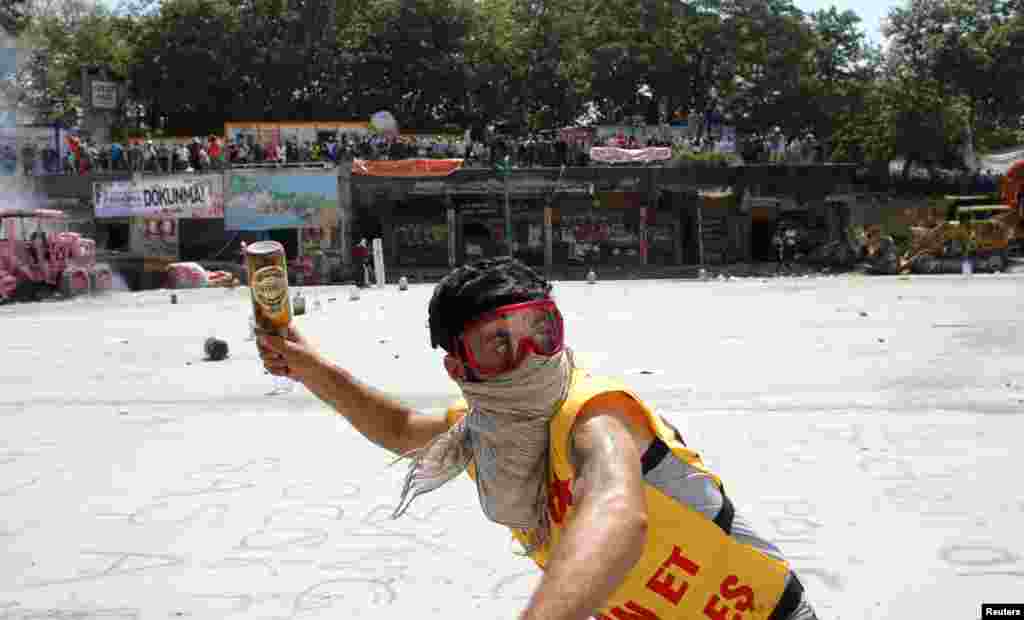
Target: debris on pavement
(216, 349)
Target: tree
(14, 17)
(903, 117)
(774, 68)
(844, 68)
(64, 36)
(203, 62)
(191, 65)
(549, 69)
(426, 79)
(490, 54)
(971, 48)
(707, 47)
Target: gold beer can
(268, 285)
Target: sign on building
(268, 200)
(104, 95)
(166, 197)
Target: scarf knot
(505, 435)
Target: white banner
(999, 163)
(378, 262)
(169, 197)
(614, 155)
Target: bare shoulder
(611, 425)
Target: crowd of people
(200, 154)
(83, 156)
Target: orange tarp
(406, 167)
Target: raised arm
(606, 537)
(380, 418)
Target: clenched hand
(290, 356)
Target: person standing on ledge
(605, 496)
(361, 258)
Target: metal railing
(166, 163)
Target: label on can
(270, 289)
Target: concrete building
(558, 219)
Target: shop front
(605, 230)
(624, 216)
(297, 208)
(528, 231)
(419, 233)
(145, 224)
(482, 228)
(663, 234)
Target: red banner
(576, 135)
(614, 155)
(1013, 187)
(406, 167)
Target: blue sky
(871, 12)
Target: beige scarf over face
(505, 434)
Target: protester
(361, 259)
(213, 153)
(8, 160)
(606, 497)
(214, 150)
(116, 156)
(28, 158)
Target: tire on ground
(101, 279)
(74, 282)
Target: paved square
(868, 425)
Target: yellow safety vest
(692, 566)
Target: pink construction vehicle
(38, 256)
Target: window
(24, 227)
(51, 226)
(118, 236)
(86, 228)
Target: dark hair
(479, 287)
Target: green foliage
(763, 65)
(998, 138)
(773, 88)
(68, 35)
(971, 49)
(682, 158)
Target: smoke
(16, 56)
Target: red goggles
(499, 341)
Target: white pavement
(869, 425)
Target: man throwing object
(624, 519)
